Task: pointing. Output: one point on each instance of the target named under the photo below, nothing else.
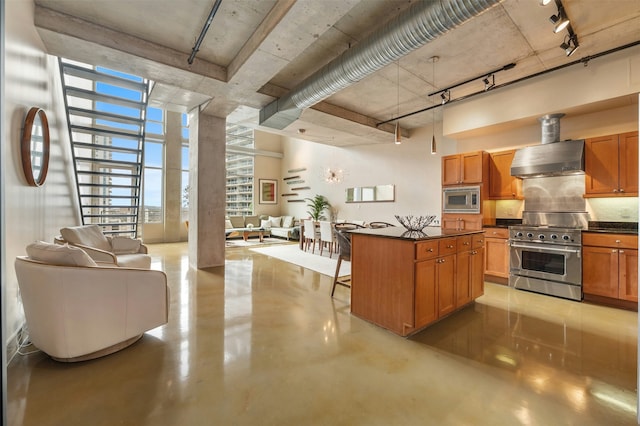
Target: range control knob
(554, 237)
(541, 237)
(518, 234)
(529, 235)
(566, 237)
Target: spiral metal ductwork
(421, 23)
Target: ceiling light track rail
(196, 47)
(584, 61)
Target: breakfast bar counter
(406, 280)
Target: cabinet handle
(474, 252)
(430, 250)
(466, 243)
(621, 190)
(618, 241)
(449, 246)
(621, 251)
(614, 251)
(615, 190)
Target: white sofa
(76, 310)
(118, 251)
(283, 227)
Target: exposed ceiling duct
(421, 23)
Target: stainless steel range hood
(553, 157)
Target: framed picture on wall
(268, 191)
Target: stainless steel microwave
(461, 199)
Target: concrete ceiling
(257, 50)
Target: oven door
(546, 262)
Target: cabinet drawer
(496, 233)
(446, 246)
(477, 241)
(463, 243)
(426, 249)
(610, 240)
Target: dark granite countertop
(504, 223)
(613, 227)
(428, 233)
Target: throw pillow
(125, 245)
(287, 221)
(59, 254)
(266, 224)
(275, 221)
(88, 235)
(228, 224)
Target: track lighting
(560, 20)
(544, 2)
(489, 82)
(445, 96)
(570, 44)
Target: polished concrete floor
(260, 342)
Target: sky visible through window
(153, 155)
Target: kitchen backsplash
(509, 209)
(623, 209)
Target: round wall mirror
(35, 146)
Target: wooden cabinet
(404, 286)
(461, 222)
(610, 266)
(611, 165)
(466, 168)
(503, 186)
(497, 259)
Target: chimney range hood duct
(553, 157)
(422, 22)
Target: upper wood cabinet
(503, 186)
(611, 166)
(466, 168)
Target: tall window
(184, 185)
(153, 166)
(239, 161)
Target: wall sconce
(332, 176)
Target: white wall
(30, 213)
(409, 166)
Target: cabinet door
(503, 186)
(471, 168)
(446, 272)
(629, 163)
(471, 222)
(628, 275)
(476, 270)
(425, 310)
(497, 261)
(600, 271)
(463, 278)
(601, 165)
(450, 221)
(451, 170)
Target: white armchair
(76, 310)
(119, 251)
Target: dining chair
(327, 237)
(310, 235)
(344, 245)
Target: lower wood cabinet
(610, 266)
(404, 286)
(462, 222)
(497, 259)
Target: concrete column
(173, 177)
(207, 197)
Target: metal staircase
(106, 113)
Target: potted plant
(317, 205)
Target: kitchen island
(404, 281)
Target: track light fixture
(445, 96)
(560, 20)
(489, 82)
(570, 44)
(544, 2)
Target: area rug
(254, 242)
(291, 253)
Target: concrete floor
(262, 343)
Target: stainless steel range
(546, 260)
